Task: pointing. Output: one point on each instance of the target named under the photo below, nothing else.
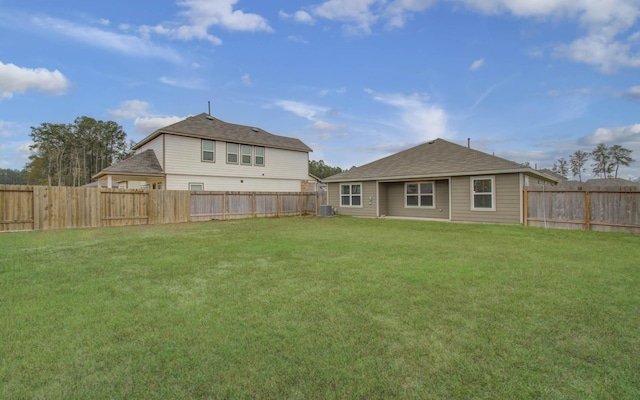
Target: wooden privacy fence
(26, 208)
(229, 205)
(601, 210)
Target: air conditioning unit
(325, 211)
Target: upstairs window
(246, 154)
(232, 153)
(420, 194)
(259, 160)
(208, 150)
(483, 193)
(351, 195)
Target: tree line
(70, 154)
(605, 161)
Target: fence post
(224, 206)
(277, 204)
(587, 202)
(525, 207)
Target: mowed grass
(304, 308)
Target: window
(483, 193)
(351, 195)
(196, 187)
(246, 154)
(208, 150)
(232, 153)
(259, 156)
(420, 194)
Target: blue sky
(527, 80)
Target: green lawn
(304, 308)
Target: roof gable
(435, 158)
(207, 127)
(145, 163)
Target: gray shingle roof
(432, 159)
(207, 127)
(145, 163)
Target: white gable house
(205, 153)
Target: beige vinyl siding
(222, 184)
(383, 200)
(396, 202)
(157, 145)
(369, 206)
(283, 169)
(507, 200)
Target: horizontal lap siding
(157, 145)
(368, 208)
(396, 202)
(508, 206)
(283, 170)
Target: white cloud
(149, 125)
(14, 79)
(604, 21)
(324, 126)
(477, 64)
(185, 84)
(4, 132)
(302, 17)
(601, 51)
(423, 120)
(623, 135)
(131, 109)
(308, 111)
(200, 15)
(633, 92)
(127, 44)
(297, 39)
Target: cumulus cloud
(15, 79)
(130, 109)
(477, 64)
(149, 125)
(302, 17)
(605, 23)
(421, 118)
(623, 135)
(200, 15)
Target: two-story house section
(205, 153)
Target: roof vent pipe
(209, 103)
(468, 143)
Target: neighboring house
(205, 153)
(435, 180)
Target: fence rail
(29, 208)
(601, 210)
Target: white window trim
(493, 192)
(237, 153)
(195, 183)
(202, 150)
(351, 194)
(250, 154)
(433, 194)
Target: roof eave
(444, 175)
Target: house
(435, 180)
(205, 153)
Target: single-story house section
(436, 180)
(205, 153)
